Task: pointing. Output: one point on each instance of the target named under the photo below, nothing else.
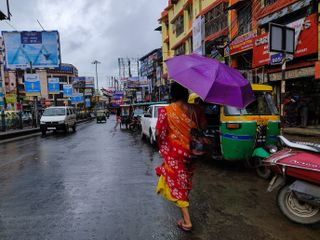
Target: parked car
(58, 118)
(149, 121)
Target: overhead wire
(10, 25)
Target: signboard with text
(88, 102)
(32, 84)
(306, 41)
(67, 90)
(53, 86)
(241, 43)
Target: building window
(269, 2)
(190, 13)
(179, 25)
(244, 19)
(216, 19)
(181, 50)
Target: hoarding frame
(27, 48)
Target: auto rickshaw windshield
(262, 105)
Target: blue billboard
(67, 90)
(77, 98)
(88, 102)
(32, 84)
(1, 96)
(39, 49)
(53, 86)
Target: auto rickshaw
(126, 111)
(243, 134)
(101, 116)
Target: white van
(58, 118)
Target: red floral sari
(173, 127)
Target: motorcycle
(135, 124)
(297, 178)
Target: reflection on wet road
(99, 184)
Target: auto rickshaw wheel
(261, 170)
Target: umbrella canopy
(213, 81)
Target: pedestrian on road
(118, 117)
(173, 128)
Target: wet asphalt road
(99, 184)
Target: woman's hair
(178, 92)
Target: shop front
(298, 86)
(302, 97)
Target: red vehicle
(297, 173)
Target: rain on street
(99, 183)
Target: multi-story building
(15, 92)
(151, 67)
(236, 32)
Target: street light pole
(96, 62)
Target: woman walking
(173, 128)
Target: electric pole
(96, 62)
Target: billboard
(88, 92)
(77, 98)
(67, 90)
(32, 84)
(89, 82)
(88, 102)
(53, 86)
(41, 49)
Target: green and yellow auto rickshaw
(244, 134)
(101, 116)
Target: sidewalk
(314, 132)
(17, 133)
(10, 134)
(302, 134)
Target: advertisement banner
(11, 98)
(242, 43)
(88, 92)
(32, 84)
(41, 49)
(77, 98)
(306, 43)
(67, 90)
(89, 82)
(78, 82)
(1, 96)
(139, 96)
(53, 85)
(197, 35)
(88, 102)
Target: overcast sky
(93, 29)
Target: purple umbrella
(212, 80)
